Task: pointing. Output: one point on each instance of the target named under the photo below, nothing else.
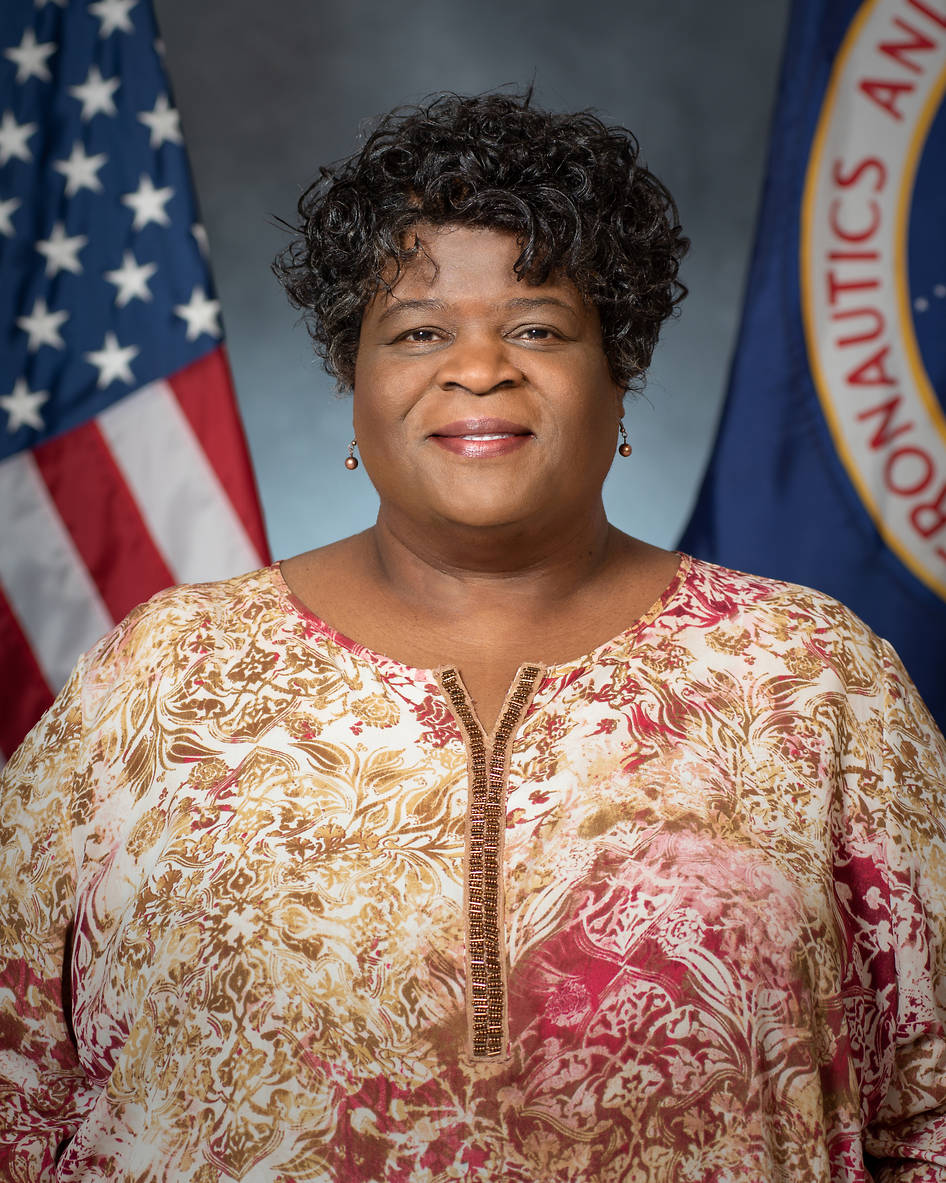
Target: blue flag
(830, 464)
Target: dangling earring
(351, 461)
(624, 447)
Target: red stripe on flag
(98, 510)
(205, 393)
(24, 692)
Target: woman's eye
(536, 333)
(421, 336)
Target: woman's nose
(478, 363)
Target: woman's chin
(500, 518)
(514, 508)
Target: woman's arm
(907, 1137)
(43, 1094)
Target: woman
(489, 843)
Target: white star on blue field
(103, 283)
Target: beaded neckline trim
(484, 904)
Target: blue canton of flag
(104, 286)
(123, 467)
(830, 464)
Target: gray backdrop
(270, 90)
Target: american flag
(123, 466)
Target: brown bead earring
(624, 447)
(351, 460)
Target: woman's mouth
(481, 438)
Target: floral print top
(262, 891)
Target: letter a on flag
(123, 467)
(830, 464)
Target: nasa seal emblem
(873, 272)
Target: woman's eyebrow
(411, 306)
(527, 303)
(516, 304)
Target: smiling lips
(478, 438)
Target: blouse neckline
(293, 606)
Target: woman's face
(481, 400)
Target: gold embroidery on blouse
(487, 1018)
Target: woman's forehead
(453, 262)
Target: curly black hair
(569, 187)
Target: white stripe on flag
(191, 519)
(45, 580)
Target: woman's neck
(460, 572)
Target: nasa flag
(830, 464)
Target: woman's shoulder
(167, 635)
(181, 622)
(780, 625)
(739, 595)
(779, 638)
(188, 605)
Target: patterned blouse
(681, 917)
